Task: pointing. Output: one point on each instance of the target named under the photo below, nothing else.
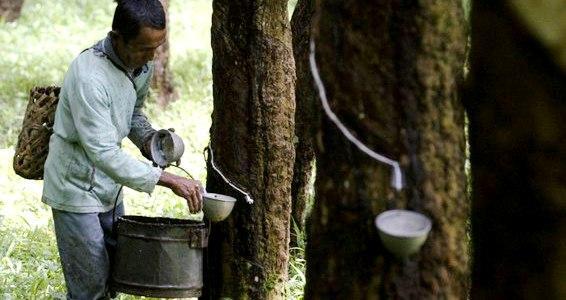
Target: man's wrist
(166, 179)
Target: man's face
(138, 51)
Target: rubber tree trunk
(162, 81)
(252, 139)
(305, 98)
(516, 108)
(391, 74)
(10, 9)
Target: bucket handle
(120, 190)
(114, 223)
(193, 238)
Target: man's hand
(189, 189)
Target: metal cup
(166, 147)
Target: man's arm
(191, 190)
(99, 138)
(90, 107)
(141, 130)
(140, 135)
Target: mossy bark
(162, 80)
(305, 98)
(392, 70)
(516, 107)
(252, 139)
(10, 9)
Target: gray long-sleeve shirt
(98, 107)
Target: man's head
(138, 29)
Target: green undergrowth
(297, 265)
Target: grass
(36, 50)
(297, 265)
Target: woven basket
(33, 141)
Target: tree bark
(515, 102)
(252, 139)
(305, 99)
(391, 71)
(10, 9)
(162, 81)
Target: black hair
(131, 15)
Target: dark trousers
(86, 245)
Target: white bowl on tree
(217, 207)
(402, 232)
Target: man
(100, 104)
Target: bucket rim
(159, 221)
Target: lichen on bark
(252, 138)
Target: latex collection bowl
(217, 207)
(402, 232)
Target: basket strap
(41, 126)
(101, 49)
(121, 69)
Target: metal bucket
(159, 257)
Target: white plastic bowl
(217, 207)
(402, 232)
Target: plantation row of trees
(394, 74)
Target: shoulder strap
(123, 70)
